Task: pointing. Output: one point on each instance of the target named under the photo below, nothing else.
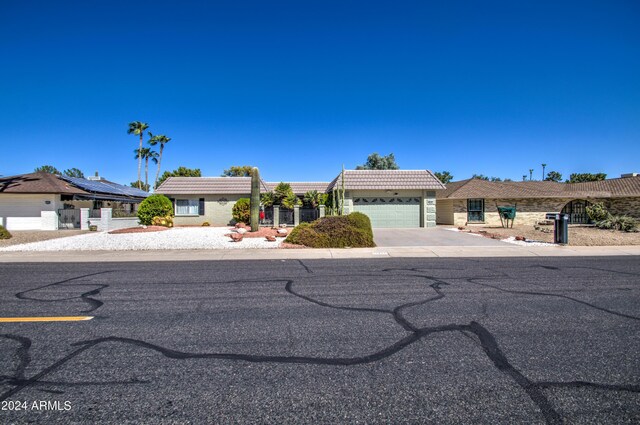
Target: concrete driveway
(432, 236)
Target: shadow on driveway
(432, 236)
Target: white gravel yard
(176, 238)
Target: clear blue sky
(298, 88)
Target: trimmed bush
(154, 206)
(335, 232)
(241, 211)
(4, 233)
(597, 212)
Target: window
(475, 210)
(187, 206)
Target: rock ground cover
(578, 236)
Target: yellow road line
(45, 319)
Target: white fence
(49, 220)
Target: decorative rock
(236, 237)
(270, 238)
(282, 231)
(241, 230)
(240, 225)
(521, 238)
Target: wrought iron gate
(68, 219)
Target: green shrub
(334, 232)
(290, 201)
(154, 206)
(618, 222)
(241, 211)
(267, 199)
(597, 212)
(4, 233)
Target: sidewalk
(282, 254)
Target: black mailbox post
(561, 229)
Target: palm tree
(138, 128)
(147, 154)
(543, 167)
(162, 140)
(530, 173)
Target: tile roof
(38, 183)
(300, 188)
(387, 179)
(206, 185)
(477, 188)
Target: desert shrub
(241, 211)
(4, 233)
(166, 221)
(267, 199)
(618, 222)
(290, 201)
(333, 232)
(206, 224)
(154, 206)
(597, 212)
(361, 221)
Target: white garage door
(390, 212)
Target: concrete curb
(331, 253)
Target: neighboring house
(475, 201)
(44, 201)
(391, 198)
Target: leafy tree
(180, 172)
(47, 169)
(377, 162)
(444, 176)
(138, 128)
(553, 176)
(73, 172)
(507, 180)
(267, 199)
(139, 184)
(238, 171)
(147, 154)
(543, 167)
(161, 140)
(495, 179)
(586, 177)
(312, 198)
(290, 201)
(480, 176)
(281, 191)
(530, 173)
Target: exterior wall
(217, 210)
(444, 211)
(624, 206)
(529, 210)
(24, 211)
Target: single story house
(475, 201)
(391, 198)
(44, 201)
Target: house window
(475, 210)
(187, 206)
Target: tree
(543, 167)
(139, 184)
(586, 177)
(495, 179)
(147, 154)
(312, 198)
(73, 172)
(180, 172)
(524, 177)
(138, 128)
(530, 173)
(480, 177)
(377, 162)
(282, 191)
(161, 140)
(553, 176)
(238, 171)
(47, 169)
(444, 176)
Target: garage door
(390, 212)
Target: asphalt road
(541, 340)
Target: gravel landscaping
(176, 238)
(28, 236)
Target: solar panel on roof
(98, 186)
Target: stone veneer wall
(529, 210)
(624, 206)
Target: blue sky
(299, 88)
